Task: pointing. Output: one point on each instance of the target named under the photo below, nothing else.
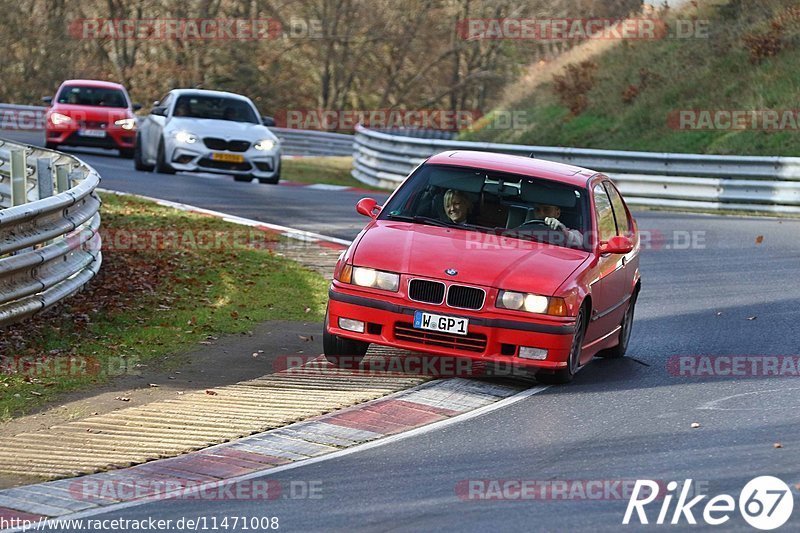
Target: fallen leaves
(122, 398)
(695, 425)
(759, 239)
(211, 392)
(777, 445)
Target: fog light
(526, 352)
(351, 325)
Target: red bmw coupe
(500, 259)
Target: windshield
(481, 200)
(92, 96)
(215, 107)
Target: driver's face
(543, 211)
(456, 209)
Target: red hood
(92, 113)
(479, 258)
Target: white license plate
(92, 133)
(445, 324)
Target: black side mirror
(137, 107)
(47, 99)
(268, 121)
(161, 111)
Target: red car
(500, 259)
(91, 113)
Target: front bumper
(256, 163)
(491, 338)
(69, 135)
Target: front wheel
(51, 146)
(248, 178)
(162, 167)
(341, 352)
(574, 360)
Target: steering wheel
(533, 221)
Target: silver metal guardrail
(293, 141)
(737, 183)
(49, 223)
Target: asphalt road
(726, 293)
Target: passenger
(457, 206)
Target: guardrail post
(18, 171)
(44, 177)
(62, 178)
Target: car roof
(95, 83)
(526, 166)
(207, 92)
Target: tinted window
(620, 214)
(489, 201)
(605, 214)
(214, 107)
(92, 96)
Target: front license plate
(92, 133)
(445, 324)
(228, 158)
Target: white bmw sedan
(192, 130)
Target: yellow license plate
(228, 158)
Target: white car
(192, 130)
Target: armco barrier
(49, 222)
(739, 183)
(293, 141)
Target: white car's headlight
(532, 303)
(126, 123)
(376, 279)
(264, 145)
(58, 119)
(185, 137)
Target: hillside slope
(631, 95)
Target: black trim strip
(567, 329)
(611, 309)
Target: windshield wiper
(419, 219)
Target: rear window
(92, 96)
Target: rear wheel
(624, 334)
(341, 352)
(574, 360)
(162, 166)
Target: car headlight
(369, 277)
(532, 303)
(58, 119)
(185, 137)
(264, 145)
(126, 123)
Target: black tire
(51, 146)
(162, 167)
(340, 352)
(138, 162)
(273, 180)
(573, 363)
(619, 350)
(247, 178)
(127, 153)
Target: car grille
(223, 165)
(472, 342)
(423, 290)
(215, 143)
(465, 297)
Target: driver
(550, 213)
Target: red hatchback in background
(91, 113)
(503, 260)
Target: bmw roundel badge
(451, 271)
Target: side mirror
(47, 99)
(159, 110)
(268, 121)
(137, 107)
(367, 207)
(618, 244)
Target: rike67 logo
(765, 503)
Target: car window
(606, 225)
(92, 96)
(489, 201)
(620, 213)
(214, 107)
(166, 101)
